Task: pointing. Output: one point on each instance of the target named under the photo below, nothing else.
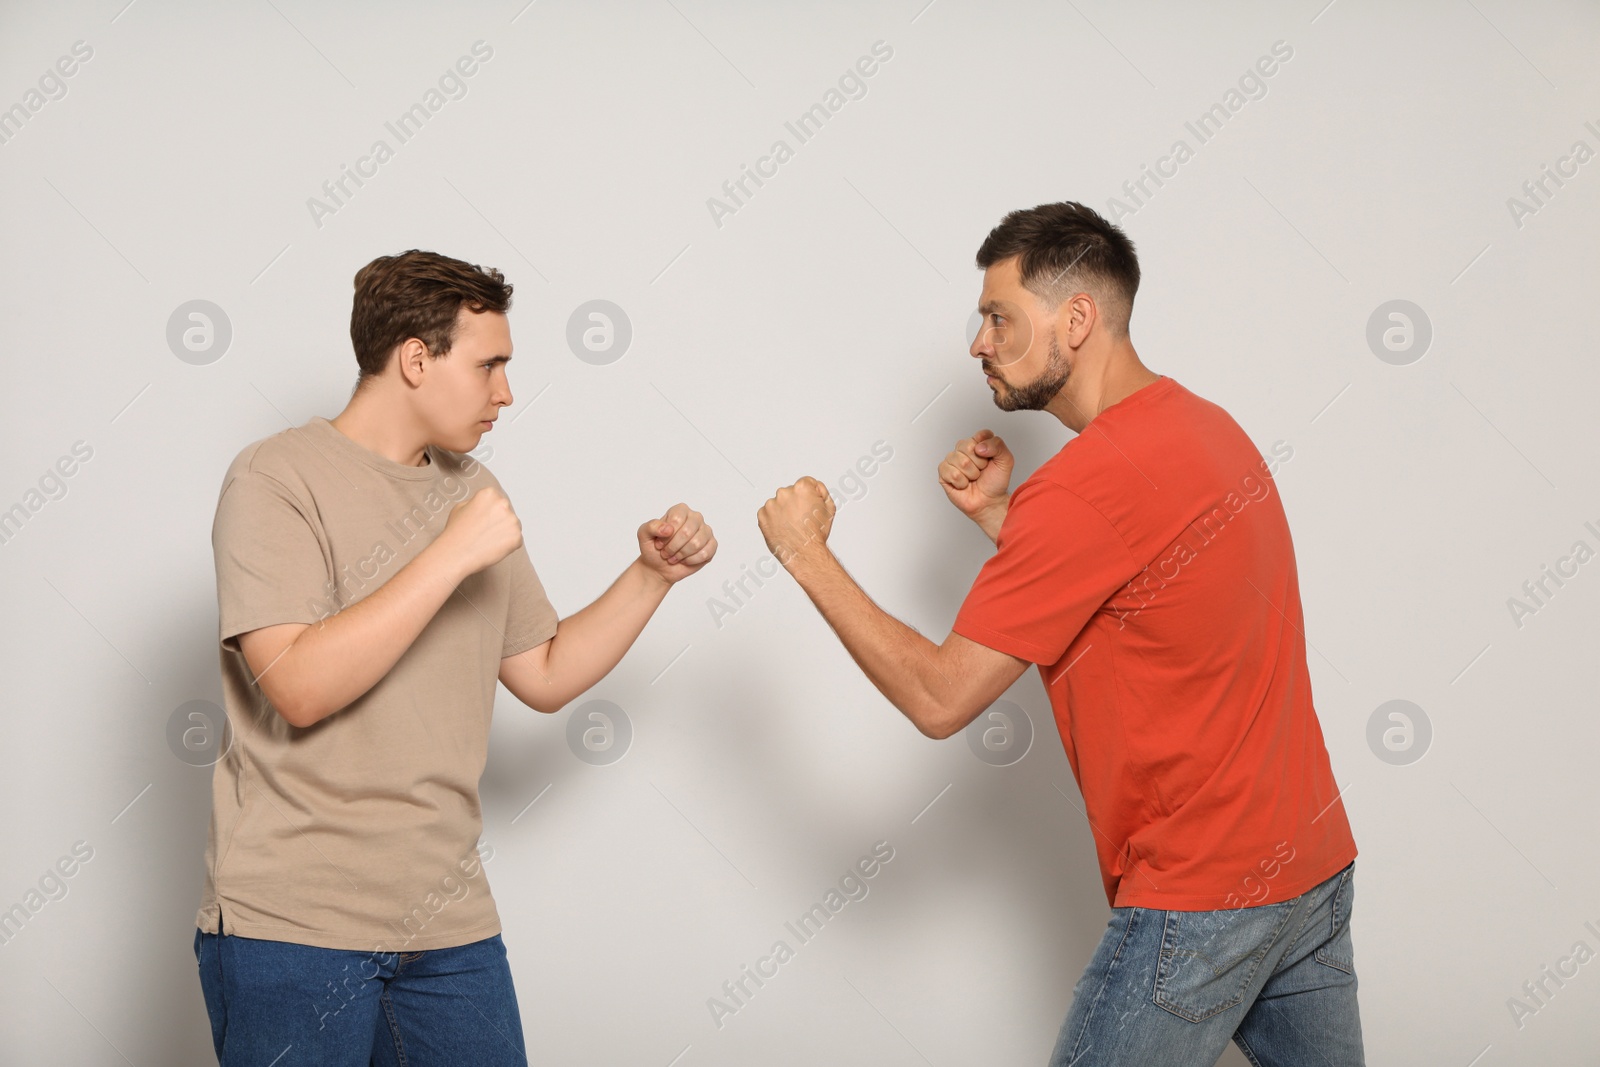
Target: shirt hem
(1218, 901)
(298, 935)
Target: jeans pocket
(1337, 951)
(1209, 958)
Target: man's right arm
(310, 671)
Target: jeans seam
(1299, 931)
(1322, 955)
(1244, 1047)
(1105, 982)
(394, 1027)
(216, 948)
(1255, 957)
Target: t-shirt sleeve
(1057, 560)
(530, 618)
(270, 565)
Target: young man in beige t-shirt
(372, 585)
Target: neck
(377, 425)
(1097, 381)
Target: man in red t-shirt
(1147, 569)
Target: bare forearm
(896, 658)
(591, 642)
(989, 520)
(335, 661)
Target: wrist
(653, 579)
(806, 562)
(444, 563)
(991, 515)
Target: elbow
(293, 716)
(298, 715)
(935, 722)
(290, 708)
(544, 705)
(940, 721)
(299, 710)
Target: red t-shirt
(1147, 569)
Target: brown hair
(1068, 248)
(417, 294)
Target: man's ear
(1074, 320)
(413, 358)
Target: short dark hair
(417, 294)
(1068, 248)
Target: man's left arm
(588, 644)
(940, 688)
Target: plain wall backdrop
(1380, 254)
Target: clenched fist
(677, 544)
(798, 518)
(481, 531)
(976, 476)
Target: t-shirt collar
(1159, 387)
(324, 430)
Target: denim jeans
(1173, 987)
(277, 1004)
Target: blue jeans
(277, 1004)
(1173, 987)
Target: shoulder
(1179, 412)
(1085, 468)
(1043, 491)
(464, 467)
(1047, 505)
(277, 458)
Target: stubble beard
(1037, 394)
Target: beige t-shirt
(358, 832)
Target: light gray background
(824, 316)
